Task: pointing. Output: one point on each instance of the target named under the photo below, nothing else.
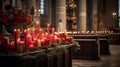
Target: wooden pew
(104, 44)
(114, 38)
(89, 47)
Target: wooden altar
(39, 58)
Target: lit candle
(15, 38)
(48, 29)
(42, 42)
(25, 34)
(53, 31)
(57, 40)
(42, 36)
(28, 31)
(39, 43)
(37, 28)
(35, 39)
(18, 33)
(28, 39)
(40, 33)
(46, 35)
(31, 46)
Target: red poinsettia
(15, 18)
(110, 28)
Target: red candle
(35, 39)
(28, 31)
(25, 34)
(28, 39)
(31, 46)
(42, 36)
(69, 39)
(48, 29)
(11, 45)
(37, 28)
(18, 33)
(15, 38)
(53, 31)
(42, 42)
(46, 35)
(15, 33)
(51, 40)
(58, 35)
(33, 33)
(40, 33)
(57, 40)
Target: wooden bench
(89, 47)
(104, 44)
(114, 38)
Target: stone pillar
(82, 15)
(50, 9)
(95, 16)
(61, 13)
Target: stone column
(61, 13)
(50, 9)
(82, 15)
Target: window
(119, 11)
(13, 3)
(42, 6)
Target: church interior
(60, 33)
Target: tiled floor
(112, 60)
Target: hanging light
(71, 4)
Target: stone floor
(112, 60)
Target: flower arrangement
(15, 18)
(110, 28)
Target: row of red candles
(37, 38)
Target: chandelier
(71, 12)
(71, 4)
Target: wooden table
(37, 58)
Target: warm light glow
(114, 13)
